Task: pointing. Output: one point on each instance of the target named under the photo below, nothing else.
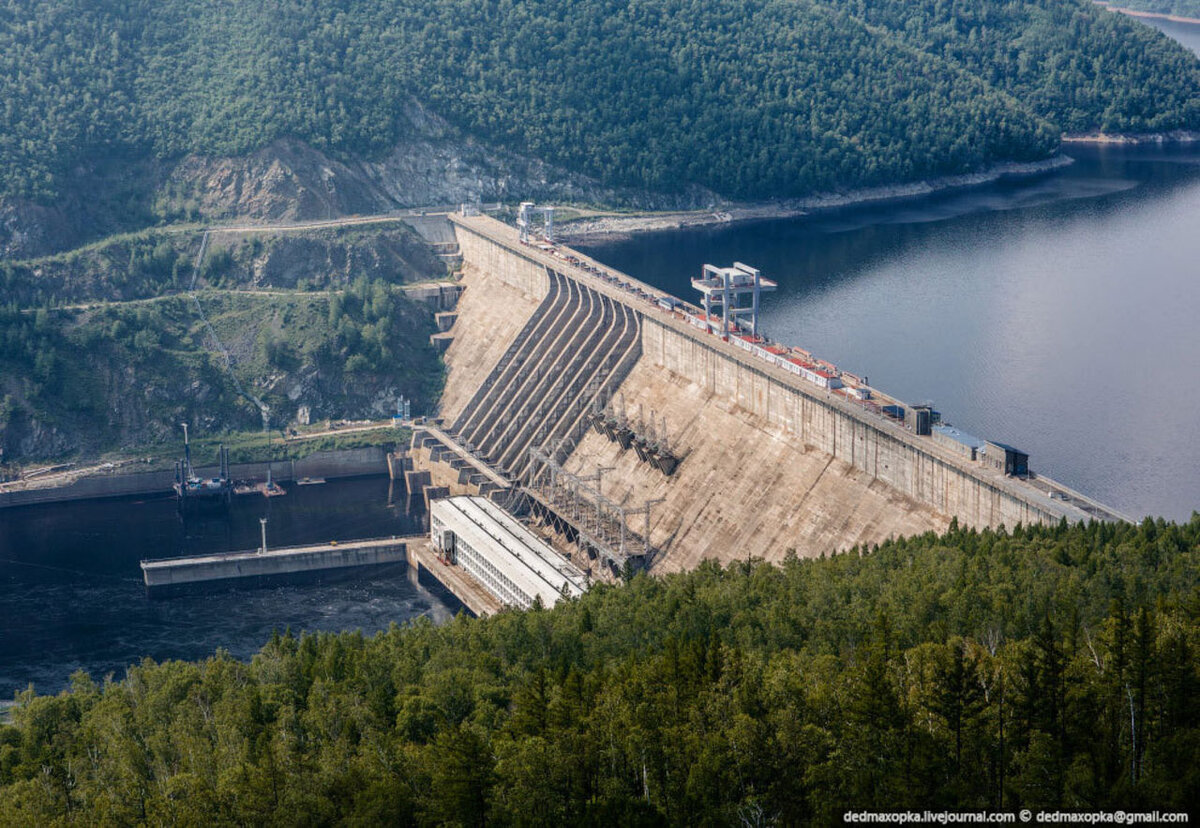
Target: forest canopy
(1046, 668)
(749, 98)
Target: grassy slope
(160, 261)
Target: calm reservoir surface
(71, 592)
(1058, 314)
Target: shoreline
(1174, 18)
(614, 227)
(1176, 136)
(330, 464)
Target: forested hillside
(160, 262)
(1047, 668)
(748, 98)
(77, 382)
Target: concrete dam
(719, 451)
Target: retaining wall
(328, 464)
(523, 273)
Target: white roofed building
(513, 564)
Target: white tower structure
(727, 287)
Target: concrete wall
(212, 568)
(329, 464)
(497, 311)
(744, 487)
(975, 495)
(504, 264)
(877, 451)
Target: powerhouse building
(494, 548)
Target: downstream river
(71, 593)
(1058, 314)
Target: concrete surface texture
(745, 486)
(428, 569)
(769, 463)
(288, 560)
(494, 311)
(914, 466)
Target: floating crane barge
(195, 492)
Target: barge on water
(195, 492)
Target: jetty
(169, 577)
(165, 577)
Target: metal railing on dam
(911, 464)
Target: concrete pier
(432, 572)
(168, 576)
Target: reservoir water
(1057, 314)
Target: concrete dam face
(564, 371)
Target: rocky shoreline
(616, 226)
(1174, 18)
(1178, 136)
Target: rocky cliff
(291, 181)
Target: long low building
(510, 561)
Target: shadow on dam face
(769, 464)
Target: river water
(1058, 314)
(71, 593)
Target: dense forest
(1051, 667)
(749, 98)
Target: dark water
(71, 593)
(1058, 314)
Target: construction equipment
(194, 491)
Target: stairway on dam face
(744, 487)
(578, 344)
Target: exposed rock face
(292, 181)
(127, 268)
(28, 229)
(330, 258)
(286, 181)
